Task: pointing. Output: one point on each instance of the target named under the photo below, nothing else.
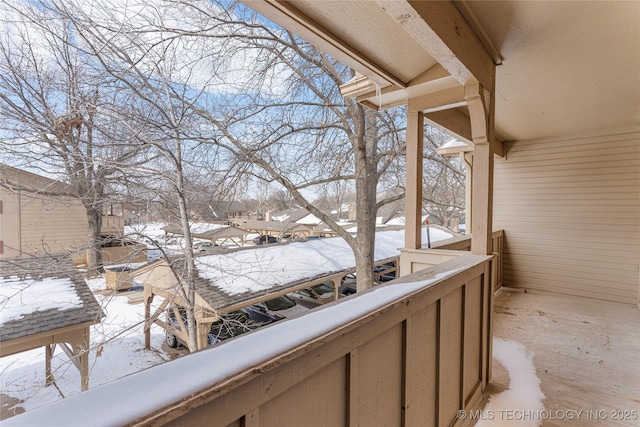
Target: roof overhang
(392, 43)
(548, 82)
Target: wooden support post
(81, 356)
(467, 158)
(482, 200)
(481, 107)
(203, 333)
(148, 298)
(413, 198)
(49, 349)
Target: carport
(220, 235)
(162, 279)
(29, 321)
(276, 228)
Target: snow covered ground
(117, 349)
(521, 404)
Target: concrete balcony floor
(586, 354)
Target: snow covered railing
(412, 352)
(413, 260)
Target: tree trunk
(94, 241)
(366, 182)
(189, 279)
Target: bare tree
(56, 111)
(291, 126)
(443, 192)
(162, 72)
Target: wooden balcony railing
(412, 352)
(112, 226)
(413, 260)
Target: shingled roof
(17, 179)
(40, 271)
(217, 298)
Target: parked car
(282, 307)
(381, 273)
(230, 325)
(348, 285)
(315, 295)
(264, 239)
(286, 238)
(203, 247)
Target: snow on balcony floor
(586, 353)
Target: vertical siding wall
(37, 224)
(570, 210)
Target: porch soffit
(566, 68)
(401, 50)
(359, 33)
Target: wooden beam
(451, 121)
(440, 100)
(456, 122)
(40, 339)
(442, 31)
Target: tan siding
(382, 408)
(60, 225)
(571, 214)
(9, 224)
(450, 348)
(41, 224)
(305, 401)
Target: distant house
(223, 211)
(390, 211)
(222, 235)
(39, 215)
(298, 216)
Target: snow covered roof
(310, 219)
(453, 147)
(275, 226)
(264, 268)
(43, 293)
(226, 279)
(292, 215)
(198, 229)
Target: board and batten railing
(416, 360)
(412, 260)
(413, 352)
(112, 225)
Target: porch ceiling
(566, 67)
